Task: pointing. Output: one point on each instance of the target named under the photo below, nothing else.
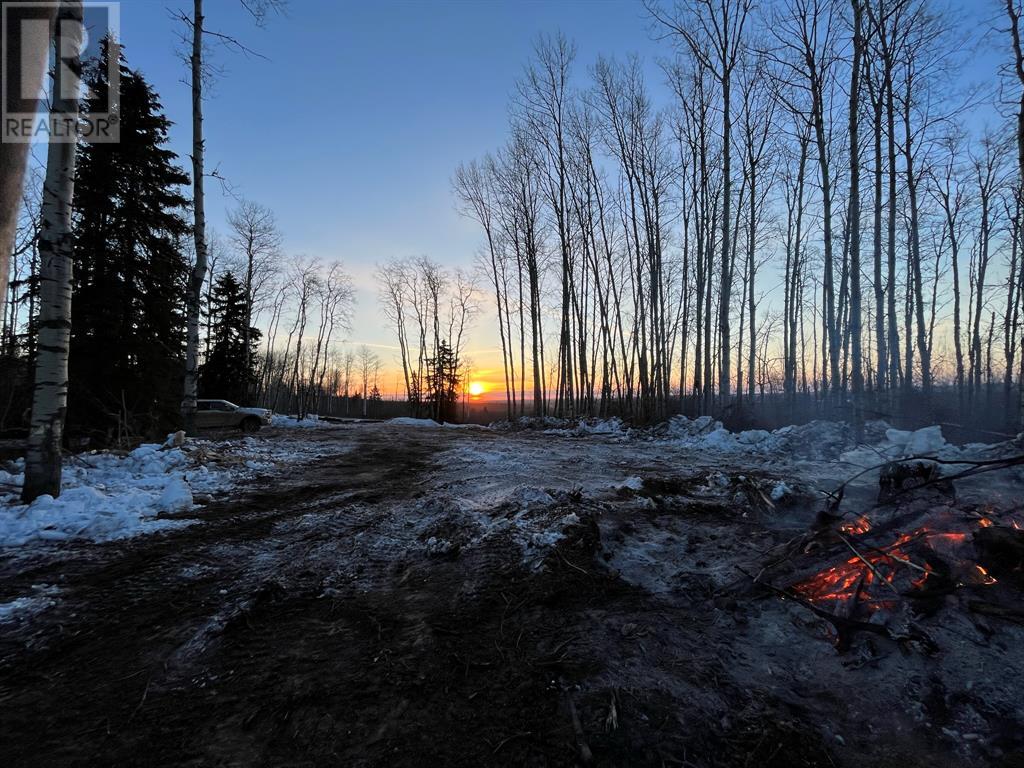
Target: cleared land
(427, 596)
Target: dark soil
(283, 631)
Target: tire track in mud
(310, 623)
(138, 615)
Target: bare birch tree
(257, 243)
(50, 394)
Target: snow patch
(630, 483)
(177, 496)
(108, 495)
(312, 420)
(25, 607)
(551, 425)
(408, 421)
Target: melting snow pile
(815, 440)
(281, 420)
(928, 441)
(826, 440)
(488, 514)
(408, 421)
(551, 425)
(576, 427)
(107, 496)
(531, 517)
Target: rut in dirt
(135, 616)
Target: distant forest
(820, 221)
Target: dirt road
(400, 601)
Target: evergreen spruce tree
(443, 383)
(127, 345)
(228, 369)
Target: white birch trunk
(50, 395)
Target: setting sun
(476, 388)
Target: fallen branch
(868, 563)
(975, 467)
(586, 756)
(572, 565)
(842, 625)
(506, 740)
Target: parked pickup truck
(221, 414)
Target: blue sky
(351, 127)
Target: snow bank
(408, 421)
(552, 425)
(820, 441)
(530, 516)
(924, 442)
(612, 426)
(107, 495)
(584, 427)
(281, 420)
(815, 440)
(682, 428)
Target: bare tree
(805, 31)
(543, 109)
(49, 397)
(853, 218)
(1013, 10)
(393, 280)
(257, 243)
(337, 297)
(193, 297)
(949, 192)
(368, 363)
(214, 260)
(22, 274)
(713, 31)
(474, 186)
(988, 175)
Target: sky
(352, 125)
(352, 118)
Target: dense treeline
(818, 215)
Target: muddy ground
(422, 597)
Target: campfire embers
(880, 585)
(918, 566)
(856, 527)
(917, 551)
